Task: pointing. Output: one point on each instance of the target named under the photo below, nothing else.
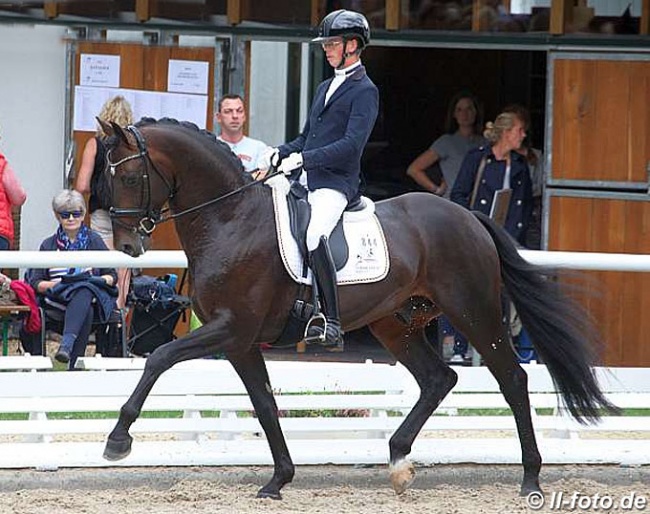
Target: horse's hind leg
(435, 378)
(252, 370)
(489, 336)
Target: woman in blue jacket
(495, 167)
(84, 294)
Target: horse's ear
(108, 130)
(119, 131)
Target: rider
(329, 150)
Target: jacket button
(483, 181)
(518, 202)
(520, 224)
(483, 201)
(313, 135)
(320, 119)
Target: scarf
(82, 241)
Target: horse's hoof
(402, 474)
(117, 450)
(268, 494)
(530, 487)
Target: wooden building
(581, 67)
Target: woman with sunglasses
(85, 294)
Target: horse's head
(139, 189)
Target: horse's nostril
(129, 250)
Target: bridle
(148, 217)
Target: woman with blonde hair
(498, 166)
(91, 179)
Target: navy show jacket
(335, 134)
(521, 201)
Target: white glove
(290, 163)
(269, 156)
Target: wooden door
(146, 68)
(597, 188)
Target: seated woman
(84, 294)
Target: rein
(151, 218)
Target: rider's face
(232, 115)
(333, 49)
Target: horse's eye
(130, 180)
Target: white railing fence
(177, 259)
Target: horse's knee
(158, 361)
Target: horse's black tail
(559, 327)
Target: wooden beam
(51, 9)
(476, 15)
(561, 15)
(234, 12)
(315, 13)
(644, 29)
(393, 14)
(143, 10)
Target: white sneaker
(457, 359)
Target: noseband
(148, 217)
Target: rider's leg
(327, 206)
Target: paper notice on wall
(188, 77)
(88, 102)
(99, 70)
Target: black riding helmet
(346, 24)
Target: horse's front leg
(200, 343)
(435, 378)
(251, 368)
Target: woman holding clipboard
(495, 180)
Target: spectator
(340, 121)
(462, 133)
(535, 162)
(92, 180)
(231, 117)
(462, 126)
(83, 293)
(11, 194)
(488, 169)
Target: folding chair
(110, 337)
(155, 311)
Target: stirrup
(319, 322)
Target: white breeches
(327, 205)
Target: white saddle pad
(368, 253)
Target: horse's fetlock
(128, 414)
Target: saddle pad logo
(368, 260)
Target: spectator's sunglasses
(68, 214)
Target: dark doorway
(415, 86)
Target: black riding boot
(324, 271)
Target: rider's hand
(291, 163)
(270, 156)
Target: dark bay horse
(443, 259)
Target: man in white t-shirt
(231, 117)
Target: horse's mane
(205, 135)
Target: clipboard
(500, 205)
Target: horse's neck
(209, 230)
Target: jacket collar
(358, 74)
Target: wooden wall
(145, 67)
(601, 148)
